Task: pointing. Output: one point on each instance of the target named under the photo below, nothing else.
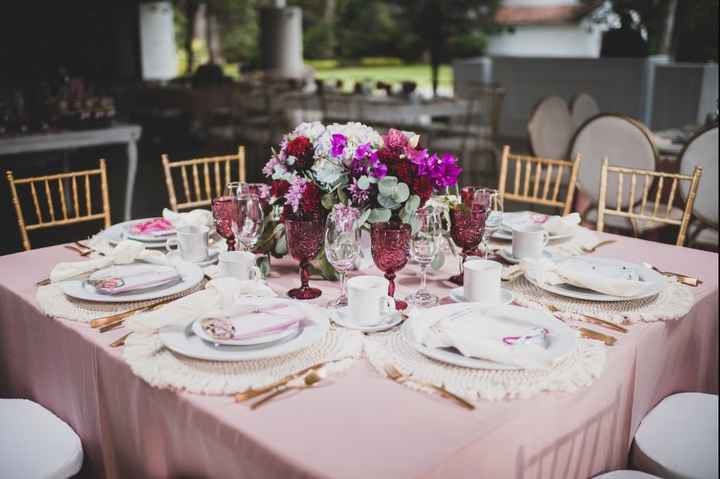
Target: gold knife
(590, 334)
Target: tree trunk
(666, 41)
(191, 7)
(329, 21)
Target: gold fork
(594, 248)
(589, 333)
(394, 374)
(253, 393)
(310, 380)
(594, 320)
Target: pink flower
(395, 139)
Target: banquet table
(357, 424)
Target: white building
(546, 28)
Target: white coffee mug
(368, 299)
(239, 264)
(481, 281)
(191, 243)
(529, 241)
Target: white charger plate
(611, 267)
(458, 295)
(175, 339)
(79, 289)
(561, 340)
(342, 317)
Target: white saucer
(458, 295)
(342, 317)
(506, 254)
(212, 258)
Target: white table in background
(117, 134)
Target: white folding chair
(702, 151)
(582, 108)
(625, 474)
(36, 443)
(678, 439)
(551, 128)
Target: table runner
(362, 425)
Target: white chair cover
(34, 443)
(678, 439)
(624, 142)
(551, 128)
(703, 151)
(582, 108)
(625, 475)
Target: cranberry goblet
(224, 209)
(467, 224)
(305, 239)
(390, 246)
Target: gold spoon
(394, 374)
(309, 381)
(592, 249)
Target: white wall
(582, 40)
(157, 41)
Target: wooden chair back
(538, 181)
(205, 173)
(659, 211)
(72, 191)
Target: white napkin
(198, 217)
(219, 295)
(126, 252)
(573, 272)
(479, 334)
(560, 225)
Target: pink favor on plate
(153, 227)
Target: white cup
(191, 243)
(529, 241)
(239, 264)
(368, 299)
(481, 281)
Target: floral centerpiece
(387, 177)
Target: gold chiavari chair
(214, 171)
(60, 188)
(538, 181)
(659, 212)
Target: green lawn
(392, 74)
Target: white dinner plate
(175, 339)
(342, 317)
(506, 254)
(121, 231)
(80, 289)
(561, 339)
(458, 295)
(523, 217)
(213, 255)
(611, 268)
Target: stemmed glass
(305, 239)
(342, 245)
(424, 245)
(223, 208)
(248, 220)
(390, 246)
(467, 224)
(489, 201)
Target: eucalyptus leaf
(438, 261)
(388, 202)
(363, 183)
(412, 204)
(342, 196)
(263, 263)
(327, 201)
(281, 248)
(363, 218)
(379, 215)
(387, 185)
(401, 192)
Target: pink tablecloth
(361, 425)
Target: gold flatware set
(395, 375)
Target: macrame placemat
(576, 370)
(673, 302)
(55, 303)
(162, 368)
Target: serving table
(124, 134)
(358, 424)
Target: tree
(437, 22)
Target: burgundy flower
(310, 202)
(422, 186)
(404, 171)
(302, 150)
(279, 188)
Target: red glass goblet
(224, 210)
(467, 224)
(305, 239)
(390, 246)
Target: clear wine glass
(342, 245)
(424, 245)
(489, 201)
(248, 219)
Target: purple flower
(421, 159)
(338, 143)
(358, 195)
(379, 170)
(443, 171)
(363, 150)
(295, 192)
(269, 167)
